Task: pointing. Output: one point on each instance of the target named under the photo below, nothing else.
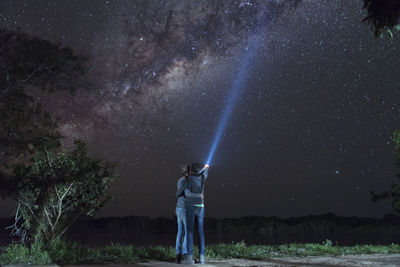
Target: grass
(19, 254)
(72, 253)
(241, 250)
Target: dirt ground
(349, 260)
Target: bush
(118, 253)
(59, 187)
(20, 254)
(61, 252)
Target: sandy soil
(348, 260)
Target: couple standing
(190, 208)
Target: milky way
(310, 134)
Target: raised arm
(205, 173)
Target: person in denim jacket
(197, 175)
(182, 194)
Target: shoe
(178, 258)
(187, 259)
(202, 259)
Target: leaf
(390, 33)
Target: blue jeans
(181, 236)
(194, 213)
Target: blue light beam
(236, 91)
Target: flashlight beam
(236, 90)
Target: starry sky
(310, 132)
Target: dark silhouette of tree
(394, 192)
(26, 64)
(382, 14)
(51, 186)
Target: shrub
(20, 254)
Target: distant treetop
(382, 15)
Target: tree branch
(60, 206)
(48, 218)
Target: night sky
(310, 132)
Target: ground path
(347, 260)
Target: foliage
(20, 254)
(56, 189)
(27, 65)
(241, 250)
(61, 252)
(157, 252)
(52, 188)
(396, 141)
(394, 192)
(72, 253)
(327, 243)
(32, 61)
(382, 15)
